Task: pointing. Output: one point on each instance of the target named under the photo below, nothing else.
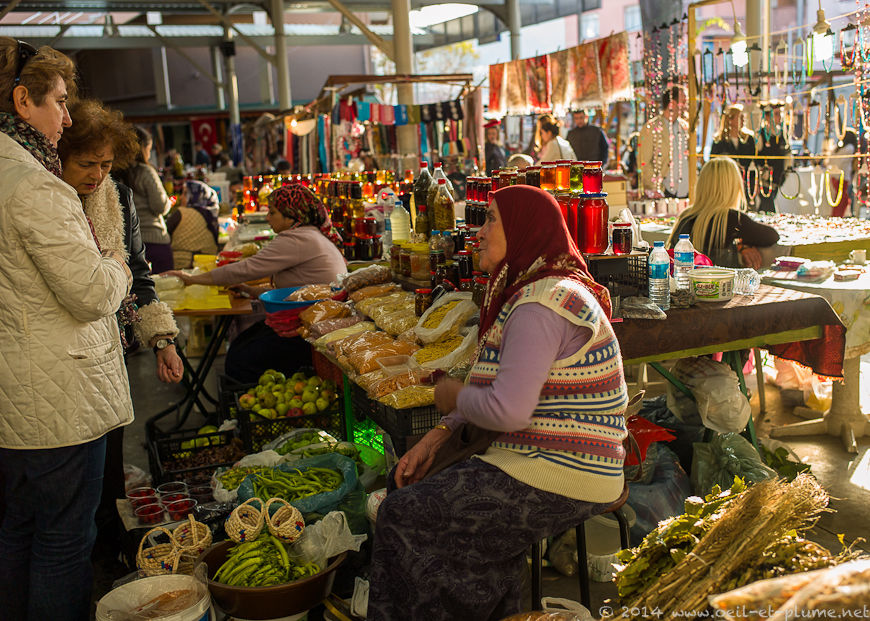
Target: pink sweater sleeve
(279, 254)
(534, 337)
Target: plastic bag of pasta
(342, 333)
(374, 291)
(365, 360)
(375, 307)
(326, 309)
(326, 326)
(446, 316)
(397, 322)
(448, 352)
(410, 397)
(367, 276)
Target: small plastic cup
(141, 496)
(148, 515)
(173, 487)
(201, 493)
(170, 498)
(180, 509)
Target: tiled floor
(845, 476)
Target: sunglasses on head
(25, 53)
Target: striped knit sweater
(573, 446)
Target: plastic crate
(325, 368)
(629, 273)
(257, 431)
(228, 390)
(366, 433)
(361, 406)
(406, 426)
(164, 448)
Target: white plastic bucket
(712, 284)
(138, 592)
(602, 543)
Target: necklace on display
(817, 195)
(769, 173)
(808, 112)
(841, 129)
(862, 172)
(798, 58)
(833, 202)
(782, 185)
(810, 51)
(780, 78)
(752, 190)
(847, 60)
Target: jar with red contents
(369, 226)
(494, 181)
(365, 248)
(563, 175)
(621, 238)
(572, 218)
(564, 200)
(349, 251)
(592, 223)
(593, 178)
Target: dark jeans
(259, 348)
(48, 531)
(160, 257)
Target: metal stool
(582, 568)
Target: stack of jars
(476, 191)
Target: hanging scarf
(297, 202)
(538, 246)
(33, 140)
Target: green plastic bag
(726, 456)
(318, 503)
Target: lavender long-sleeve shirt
(533, 338)
(301, 256)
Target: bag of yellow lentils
(445, 317)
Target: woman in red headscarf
(305, 251)
(547, 394)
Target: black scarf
(33, 140)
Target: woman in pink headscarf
(305, 251)
(547, 396)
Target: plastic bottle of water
(400, 222)
(684, 262)
(659, 266)
(387, 239)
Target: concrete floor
(845, 476)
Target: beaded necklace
(808, 112)
(781, 78)
(769, 170)
(831, 201)
(752, 190)
(798, 57)
(784, 177)
(847, 61)
(817, 196)
(841, 129)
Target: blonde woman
(733, 138)
(716, 219)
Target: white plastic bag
(269, 459)
(326, 538)
(458, 355)
(455, 318)
(720, 404)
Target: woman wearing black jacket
(97, 140)
(734, 139)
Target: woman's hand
(446, 392)
(751, 257)
(414, 464)
(170, 369)
(189, 279)
(185, 278)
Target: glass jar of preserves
(548, 176)
(405, 260)
(576, 177)
(466, 284)
(420, 261)
(478, 291)
(533, 176)
(475, 256)
(370, 226)
(365, 248)
(593, 223)
(563, 175)
(395, 265)
(422, 301)
(622, 238)
(464, 264)
(379, 246)
(350, 251)
(593, 178)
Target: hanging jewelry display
(790, 170)
(736, 83)
(832, 201)
(863, 172)
(780, 78)
(847, 57)
(754, 92)
(817, 194)
(766, 170)
(723, 80)
(752, 189)
(838, 128)
(810, 52)
(808, 113)
(798, 57)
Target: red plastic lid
(423, 291)
(442, 181)
(465, 253)
(437, 164)
(615, 224)
(424, 164)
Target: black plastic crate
(361, 406)
(629, 273)
(406, 426)
(167, 450)
(228, 390)
(257, 431)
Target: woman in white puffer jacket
(63, 383)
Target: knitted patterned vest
(573, 446)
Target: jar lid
(423, 291)
(350, 243)
(481, 280)
(591, 163)
(464, 253)
(549, 164)
(465, 280)
(563, 161)
(365, 237)
(615, 224)
(596, 195)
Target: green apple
(282, 409)
(309, 396)
(309, 407)
(322, 404)
(269, 400)
(298, 376)
(314, 381)
(296, 402)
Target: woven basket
(192, 539)
(159, 559)
(286, 523)
(245, 523)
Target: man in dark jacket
(495, 154)
(588, 141)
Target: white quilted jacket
(62, 376)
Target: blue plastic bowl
(274, 300)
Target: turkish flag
(205, 131)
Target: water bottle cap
(659, 244)
(435, 232)
(684, 236)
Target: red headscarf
(538, 246)
(297, 202)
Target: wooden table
(194, 378)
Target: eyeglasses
(25, 53)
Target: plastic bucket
(133, 594)
(712, 284)
(602, 543)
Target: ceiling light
(739, 56)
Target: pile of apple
(276, 396)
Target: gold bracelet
(444, 427)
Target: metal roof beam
(270, 58)
(385, 46)
(171, 44)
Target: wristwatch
(163, 344)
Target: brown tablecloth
(771, 310)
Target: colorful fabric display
(401, 114)
(414, 114)
(364, 110)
